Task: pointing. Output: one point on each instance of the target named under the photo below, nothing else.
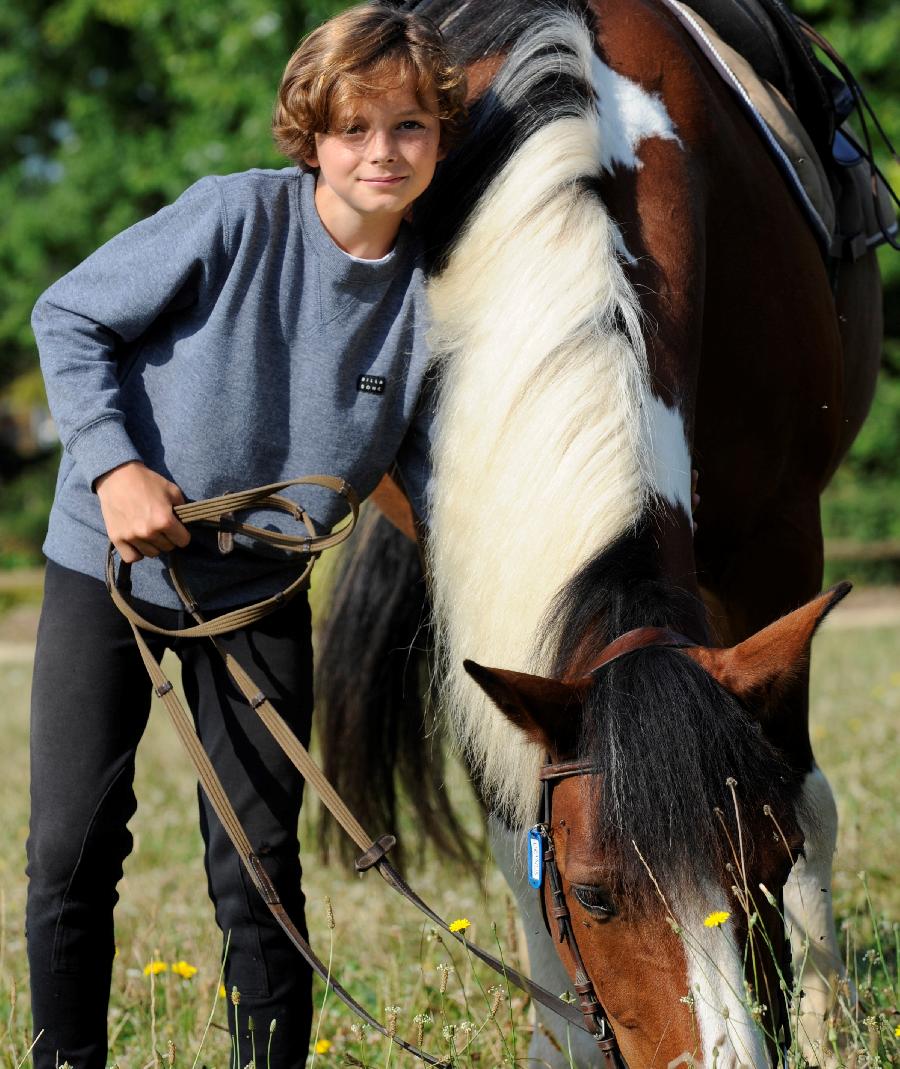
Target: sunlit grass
(382, 952)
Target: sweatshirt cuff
(102, 446)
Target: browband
(638, 639)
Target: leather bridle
(591, 1007)
(219, 513)
(595, 1017)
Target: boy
(266, 325)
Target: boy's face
(380, 157)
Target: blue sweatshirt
(227, 342)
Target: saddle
(770, 39)
(765, 54)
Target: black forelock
(667, 739)
(664, 735)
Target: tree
(111, 108)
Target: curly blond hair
(365, 50)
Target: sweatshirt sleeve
(413, 461)
(83, 321)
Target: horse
(622, 286)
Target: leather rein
(219, 513)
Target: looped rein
(219, 513)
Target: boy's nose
(382, 147)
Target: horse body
(621, 282)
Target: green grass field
(382, 950)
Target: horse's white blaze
(729, 1037)
(810, 921)
(543, 445)
(628, 116)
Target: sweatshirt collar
(334, 260)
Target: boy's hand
(137, 509)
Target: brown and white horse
(622, 285)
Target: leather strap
(212, 787)
(638, 639)
(595, 1020)
(211, 512)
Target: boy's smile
(372, 166)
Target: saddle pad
(794, 154)
(786, 138)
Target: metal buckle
(226, 537)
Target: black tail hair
(380, 744)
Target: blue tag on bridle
(535, 857)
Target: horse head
(674, 807)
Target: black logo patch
(370, 384)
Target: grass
(382, 952)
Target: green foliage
(23, 518)
(111, 108)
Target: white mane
(543, 450)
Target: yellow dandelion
(154, 968)
(182, 969)
(460, 925)
(323, 1046)
(897, 1031)
(717, 918)
(222, 992)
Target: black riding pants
(90, 703)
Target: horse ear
(541, 708)
(762, 669)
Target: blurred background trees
(112, 107)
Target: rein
(219, 513)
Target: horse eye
(594, 899)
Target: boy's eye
(412, 124)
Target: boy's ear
(311, 161)
(442, 150)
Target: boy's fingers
(162, 543)
(127, 552)
(177, 533)
(175, 494)
(146, 549)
